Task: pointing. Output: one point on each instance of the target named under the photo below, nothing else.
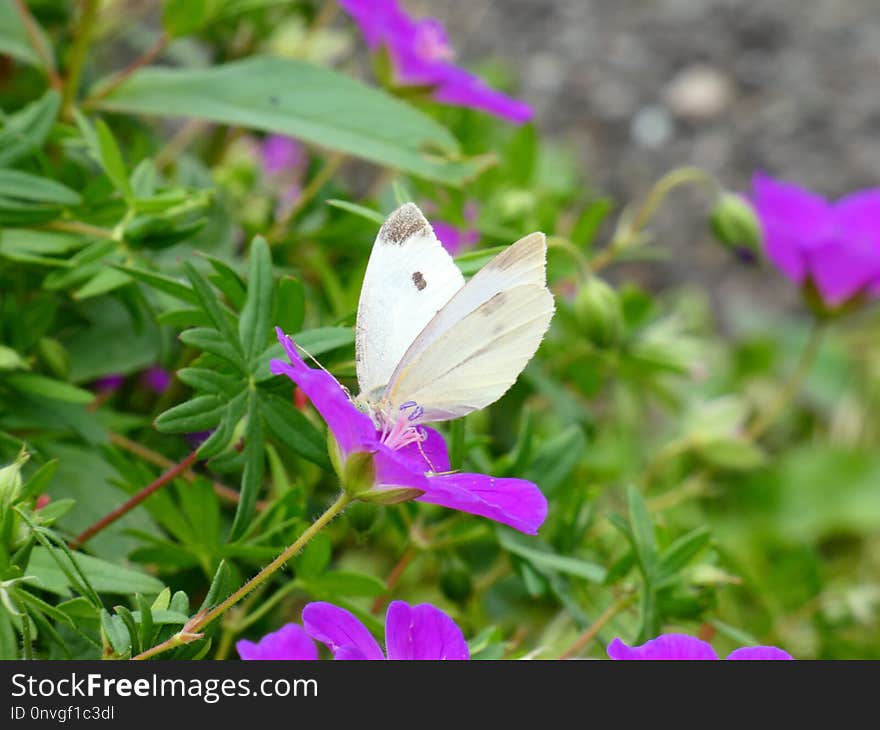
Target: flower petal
(339, 629)
(289, 642)
(793, 221)
(665, 647)
(353, 430)
(462, 88)
(515, 502)
(422, 632)
(759, 653)
(844, 267)
(429, 455)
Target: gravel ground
(641, 86)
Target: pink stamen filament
(401, 434)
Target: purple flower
(108, 383)
(411, 632)
(289, 642)
(682, 646)
(406, 460)
(156, 379)
(458, 240)
(420, 55)
(835, 246)
(282, 154)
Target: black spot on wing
(419, 280)
(404, 222)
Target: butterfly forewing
(409, 278)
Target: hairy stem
(122, 76)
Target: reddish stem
(128, 506)
(393, 578)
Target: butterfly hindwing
(473, 350)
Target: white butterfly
(430, 347)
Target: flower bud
(455, 582)
(10, 479)
(599, 313)
(734, 223)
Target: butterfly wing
(476, 346)
(409, 278)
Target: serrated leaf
(210, 381)
(210, 340)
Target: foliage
(138, 229)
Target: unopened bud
(734, 223)
(10, 479)
(599, 313)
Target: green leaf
(312, 103)
(106, 280)
(733, 453)
(20, 185)
(219, 440)
(347, 584)
(374, 216)
(104, 576)
(556, 459)
(643, 537)
(11, 360)
(26, 131)
(199, 414)
(211, 305)
(49, 388)
(255, 320)
(227, 281)
(254, 467)
(116, 632)
(682, 551)
(290, 304)
(210, 340)
(294, 430)
(210, 381)
(545, 559)
(222, 585)
(314, 558)
(161, 282)
(105, 150)
(14, 39)
(182, 17)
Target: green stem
(191, 632)
(793, 384)
(82, 38)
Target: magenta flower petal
(846, 265)
(793, 220)
(448, 235)
(289, 642)
(157, 379)
(664, 647)
(340, 630)
(430, 455)
(421, 56)
(759, 653)
(422, 632)
(281, 154)
(515, 502)
(351, 428)
(462, 88)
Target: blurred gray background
(638, 87)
